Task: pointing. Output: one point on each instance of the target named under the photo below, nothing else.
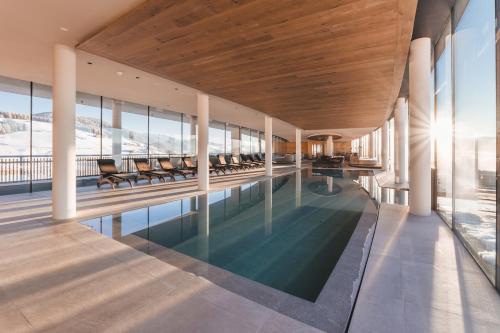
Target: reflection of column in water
(309, 172)
(369, 186)
(384, 195)
(401, 198)
(298, 189)
(329, 183)
(268, 206)
(116, 226)
(203, 227)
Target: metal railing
(14, 169)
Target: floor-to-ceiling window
(235, 139)
(189, 135)
(165, 132)
(87, 133)
(254, 137)
(216, 138)
(104, 128)
(41, 161)
(443, 126)
(245, 141)
(15, 132)
(107, 127)
(134, 133)
(475, 131)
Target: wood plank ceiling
(317, 64)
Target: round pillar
(420, 126)
(63, 133)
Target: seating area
(218, 165)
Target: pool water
(287, 232)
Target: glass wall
(189, 134)
(15, 132)
(475, 131)
(255, 146)
(443, 126)
(104, 128)
(216, 138)
(246, 142)
(165, 132)
(134, 129)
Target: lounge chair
(230, 166)
(253, 159)
(144, 169)
(110, 174)
(260, 159)
(217, 166)
(242, 165)
(246, 160)
(188, 164)
(167, 166)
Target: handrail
(18, 168)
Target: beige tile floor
(63, 277)
(420, 278)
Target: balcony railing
(14, 169)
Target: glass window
(216, 138)
(107, 127)
(254, 137)
(229, 140)
(245, 141)
(87, 134)
(475, 136)
(42, 132)
(189, 129)
(443, 129)
(15, 99)
(134, 134)
(88, 125)
(165, 131)
(134, 123)
(235, 139)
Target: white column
(298, 148)
(385, 146)
(63, 133)
(401, 140)
(329, 146)
(269, 145)
(420, 126)
(116, 110)
(203, 109)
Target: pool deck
(420, 278)
(61, 276)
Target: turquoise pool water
(286, 232)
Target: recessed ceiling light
(64, 29)
(137, 77)
(89, 63)
(119, 73)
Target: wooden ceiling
(316, 64)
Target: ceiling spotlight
(119, 73)
(64, 29)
